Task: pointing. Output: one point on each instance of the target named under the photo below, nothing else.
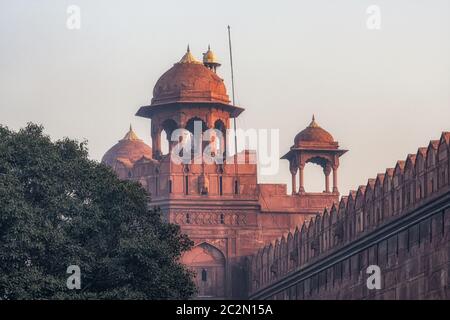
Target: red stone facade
(399, 221)
(222, 207)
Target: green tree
(58, 208)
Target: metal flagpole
(232, 88)
(236, 183)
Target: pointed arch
(387, 193)
(397, 185)
(443, 160)
(208, 264)
(371, 218)
(409, 177)
(359, 209)
(350, 217)
(167, 128)
(431, 168)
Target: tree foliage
(58, 208)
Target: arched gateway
(208, 264)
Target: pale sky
(380, 93)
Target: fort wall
(399, 220)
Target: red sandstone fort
(256, 241)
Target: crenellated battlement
(412, 183)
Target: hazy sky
(381, 93)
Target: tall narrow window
(170, 186)
(222, 218)
(236, 189)
(188, 218)
(186, 184)
(220, 186)
(204, 275)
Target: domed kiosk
(316, 145)
(189, 89)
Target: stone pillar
(301, 189)
(294, 184)
(294, 178)
(335, 180)
(215, 144)
(223, 145)
(156, 142)
(198, 143)
(170, 142)
(327, 171)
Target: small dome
(189, 81)
(314, 134)
(127, 151)
(210, 58)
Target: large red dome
(127, 151)
(189, 81)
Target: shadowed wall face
(399, 222)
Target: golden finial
(188, 57)
(131, 135)
(313, 123)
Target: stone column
(223, 145)
(214, 142)
(301, 189)
(335, 180)
(327, 171)
(170, 142)
(198, 143)
(156, 142)
(294, 178)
